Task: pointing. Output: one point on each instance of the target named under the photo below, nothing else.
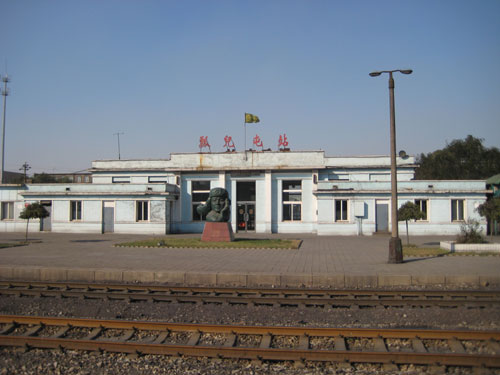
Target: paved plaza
(321, 261)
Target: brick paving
(322, 261)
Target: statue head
(217, 206)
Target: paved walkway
(322, 261)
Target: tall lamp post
(395, 248)
(5, 93)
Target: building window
(341, 210)
(292, 200)
(142, 211)
(423, 204)
(158, 179)
(7, 210)
(338, 176)
(121, 180)
(75, 210)
(457, 210)
(199, 195)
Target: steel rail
(456, 356)
(266, 296)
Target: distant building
(13, 177)
(493, 183)
(270, 192)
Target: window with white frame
(457, 210)
(121, 180)
(7, 210)
(75, 210)
(157, 179)
(142, 211)
(423, 204)
(199, 195)
(341, 210)
(292, 200)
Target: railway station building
(270, 192)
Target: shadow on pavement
(30, 239)
(87, 241)
(417, 259)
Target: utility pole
(118, 134)
(25, 167)
(5, 93)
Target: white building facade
(270, 192)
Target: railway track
(390, 347)
(238, 296)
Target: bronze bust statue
(217, 206)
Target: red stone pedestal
(217, 232)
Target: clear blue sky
(167, 72)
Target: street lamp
(5, 93)
(395, 248)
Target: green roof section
(494, 180)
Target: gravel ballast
(16, 361)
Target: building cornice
(97, 193)
(400, 192)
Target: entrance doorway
(108, 217)
(245, 203)
(246, 217)
(382, 217)
(46, 222)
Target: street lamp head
(375, 74)
(406, 71)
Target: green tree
(43, 178)
(33, 211)
(409, 211)
(491, 211)
(64, 180)
(466, 159)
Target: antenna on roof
(118, 135)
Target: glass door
(246, 217)
(245, 203)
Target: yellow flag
(251, 118)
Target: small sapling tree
(470, 232)
(491, 211)
(33, 211)
(409, 211)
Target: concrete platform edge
(222, 279)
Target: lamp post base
(395, 250)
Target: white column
(268, 200)
(233, 205)
(315, 200)
(222, 179)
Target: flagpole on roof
(245, 126)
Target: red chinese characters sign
(204, 142)
(229, 144)
(283, 141)
(257, 141)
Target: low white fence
(472, 247)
